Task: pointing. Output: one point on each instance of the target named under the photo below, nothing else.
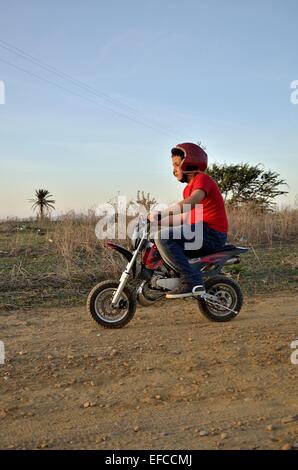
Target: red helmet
(195, 158)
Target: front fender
(124, 252)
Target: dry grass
(72, 240)
(255, 228)
(63, 259)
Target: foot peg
(198, 291)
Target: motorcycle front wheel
(99, 305)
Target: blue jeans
(171, 241)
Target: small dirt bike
(147, 278)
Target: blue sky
(216, 71)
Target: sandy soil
(169, 380)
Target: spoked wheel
(227, 302)
(99, 305)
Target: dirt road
(169, 380)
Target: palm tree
(42, 202)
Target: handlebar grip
(158, 220)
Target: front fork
(125, 275)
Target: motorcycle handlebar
(158, 218)
(149, 222)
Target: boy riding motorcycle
(189, 163)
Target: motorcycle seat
(226, 247)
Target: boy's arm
(190, 202)
(174, 220)
(181, 208)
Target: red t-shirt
(214, 213)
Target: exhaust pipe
(233, 261)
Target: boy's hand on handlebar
(153, 216)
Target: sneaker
(185, 290)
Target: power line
(50, 68)
(82, 96)
(135, 113)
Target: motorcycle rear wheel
(229, 295)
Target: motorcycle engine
(161, 280)
(157, 275)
